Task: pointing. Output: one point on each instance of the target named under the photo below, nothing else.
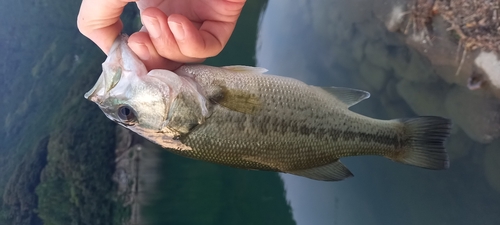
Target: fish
(241, 117)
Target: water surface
(58, 149)
(342, 43)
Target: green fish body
(240, 117)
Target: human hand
(174, 32)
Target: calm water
(321, 42)
(342, 43)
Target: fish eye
(126, 114)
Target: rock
(395, 109)
(399, 58)
(418, 69)
(357, 45)
(459, 145)
(342, 57)
(442, 52)
(376, 53)
(424, 98)
(478, 114)
(448, 73)
(492, 165)
(360, 83)
(355, 11)
(371, 107)
(396, 18)
(122, 179)
(490, 65)
(371, 30)
(391, 91)
(476, 81)
(345, 31)
(374, 76)
(123, 139)
(387, 9)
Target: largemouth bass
(240, 117)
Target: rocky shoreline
(410, 73)
(135, 172)
(460, 37)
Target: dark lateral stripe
(281, 126)
(387, 140)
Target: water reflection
(194, 192)
(345, 43)
(321, 42)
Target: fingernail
(152, 25)
(177, 30)
(141, 50)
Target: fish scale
(240, 117)
(277, 130)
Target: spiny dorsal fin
(331, 172)
(348, 96)
(238, 100)
(246, 69)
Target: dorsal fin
(348, 96)
(246, 69)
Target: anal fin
(335, 171)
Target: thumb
(99, 20)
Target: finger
(209, 38)
(160, 35)
(207, 41)
(99, 20)
(232, 6)
(141, 45)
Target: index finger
(99, 20)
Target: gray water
(343, 43)
(321, 42)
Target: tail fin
(426, 142)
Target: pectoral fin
(331, 172)
(238, 100)
(348, 96)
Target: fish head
(128, 95)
